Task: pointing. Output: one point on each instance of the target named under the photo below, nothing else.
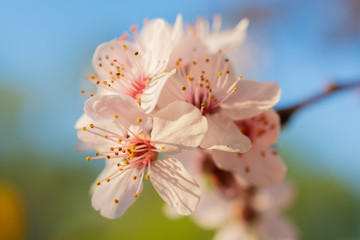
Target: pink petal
(275, 227)
(233, 231)
(178, 127)
(96, 142)
(223, 134)
(251, 99)
(227, 40)
(213, 210)
(262, 129)
(185, 51)
(261, 166)
(276, 198)
(121, 188)
(175, 185)
(107, 106)
(151, 94)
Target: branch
(287, 113)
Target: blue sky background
(46, 49)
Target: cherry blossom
(208, 83)
(130, 142)
(135, 66)
(261, 166)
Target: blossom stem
(287, 113)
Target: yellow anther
(235, 88)
(98, 183)
(136, 53)
(139, 120)
(105, 82)
(212, 97)
(240, 76)
(116, 201)
(146, 176)
(106, 136)
(116, 116)
(133, 28)
(116, 153)
(177, 64)
(111, 149)
(125, 47)
(121, 169)
(96, 154)
(107, 57)
(108, 157)
(82, 91)
(132, 147)
(123, 150)
(219, 74)
(84, 128)
(88, 159)
(91, 95)
(134, 177)
(118, 164)
(183, 88)
(91, 125)
(108, 179)
(203, 105)
(188, 77)
(126, 162)
(135, 195)
(162, 148)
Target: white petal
(276, 198)
(98, 143)
(233, 231)
(223, 134)
(213, 210)
(178, 30)
(156, 39)
(179, 126)
(150, 96)
(175, 185)
(261, 166)
(251, 99)
(105, 107)
(122, 188)
(227, 40)
(276, 228)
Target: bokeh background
(46, 49)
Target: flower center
(206, 82)
(129, 153)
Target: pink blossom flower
(135, 66)
(131, 142)
(208, 83)
(261, 166)
(216, 40)
(254, 217)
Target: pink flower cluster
(169, 108)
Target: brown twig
(287, 113)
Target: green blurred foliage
(325, 207)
